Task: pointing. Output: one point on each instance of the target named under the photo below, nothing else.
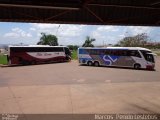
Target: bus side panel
(123, 58)
(14, 58)
(124, 61)
(113, 60)
(106, 60)
(140, 61)
(21, 57)
(83, 56)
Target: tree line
(52, 40)
(139, 40)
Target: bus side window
(137, 54)
(95, 52)
(107, 52)
(99, 51)
(111, 52)
(134, 53)
(92, 52)
(131, 52)
(116, 52)
(102, 52)
(124, 53)
(120, 53)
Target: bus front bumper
(150, 67)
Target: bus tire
(96, 63)
(89, 63)
(137, 66)
(24, 62)
(34, 62)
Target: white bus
(35, 54)
(135, 57)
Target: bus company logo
(110, 59)
(9, 117)
(39, 54)
(57, 53)
(43, 54)
(48, 54)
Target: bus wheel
(89, 63)
(137, 66)
(24, 62)
(34, 62)
(96, 63)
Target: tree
(139, 40)
(88, 42)
(48, 40)
(73, 47)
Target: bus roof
(129, 48)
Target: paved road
(73, 73)
(71, 88)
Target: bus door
(67, 53)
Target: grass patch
(3, 59)
(74, 55)
(156, 52)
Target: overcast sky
(29, 33)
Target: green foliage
(74, 55)
(153, 46)
(3, 59)
(139, 40)
(48, 40)
(73, 47)
(88, 42)
(156, 51)
(116, 45)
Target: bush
(74, 55)
(3, 59)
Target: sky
(30, 33)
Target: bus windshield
(148, 56)
(67, 51)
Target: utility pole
(57, 30)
